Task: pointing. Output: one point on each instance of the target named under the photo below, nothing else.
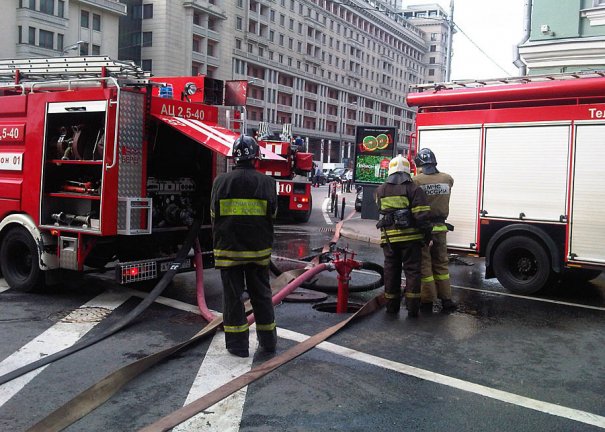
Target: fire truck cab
(104, 167)
(527, 158)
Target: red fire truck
(291, 172)
(102, 165)
(527, 158)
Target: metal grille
(137, 271)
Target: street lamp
(72, 47)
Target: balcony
(203, 31)
(112, 6)
(309, 113)
(312, 59)
(205, 6)
(255, 102)
(25, 16)
(311, 96)
(284, 108)
(332, 117)
(285, 89)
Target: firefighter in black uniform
(243, 206)
(405, 227)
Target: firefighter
(243, 206)
(405, 226)
(435, 272)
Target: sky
(496, 26)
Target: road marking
(514, 399)
(3, 285)
(58, 337)
(540, 299)
(326, 212)
(218, 368)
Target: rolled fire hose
(132, 315)
(99, 393)
(199, 283)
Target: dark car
(336, 174)
(358, 198)
(322, 179)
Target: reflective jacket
(438, 188)
(243, 205)
(401, 195)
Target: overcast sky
(495, 25)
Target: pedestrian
(405, 227)
(435, 272)
(317, 176)
(243, 206)
(349, 180)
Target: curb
(356, 236)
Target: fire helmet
(245, 148)
(399, 164)
(425, 157)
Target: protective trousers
(435, 271)
(398, 255)
(254, 279)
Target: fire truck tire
(522, 265)
(19, 261)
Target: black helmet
(245, 148)
(425, 157)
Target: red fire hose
(199, 283)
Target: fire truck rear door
(457, 151)
(587, 237)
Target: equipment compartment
(73, 165)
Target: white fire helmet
(399, 164)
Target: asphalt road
(501, 363)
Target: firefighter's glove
(428, 238)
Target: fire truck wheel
(19, 261)
(522, 265)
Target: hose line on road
(132, 315)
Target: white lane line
(60, 336)
(514, 399)
(540, 299)
(218, 368)
(326, 212)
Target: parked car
(336, 174)
(358, 198)
(322, 179)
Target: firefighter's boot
(448, 306)
(393, 305)
(413, 306)
(267, 340)
(426, 308)
(240, 352)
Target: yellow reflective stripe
(394, 202)
(421, 209)
(232, 263)
(266, 327)
(427, 279)
(396, 239)
(236, 329)
(439, 228)
(242, 254)
(412, 295)
(212, 213)
(442, 277)
(402, 231)
(243, 207)
(389, 296)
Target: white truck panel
(525, 171)
(588, 195)
(457, 152)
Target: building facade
(321, 65)
(438, 32)
(570, 37)
(54, 28)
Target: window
(210, 50)
(46, 39)
(238, 44)
(84, 15)
(96, 22)
(61, 8)
(147, 11)
(32, 36)
(84, 48)
(196, 45)
(431, 72)
(146, 65)
(433, 48)
(197, 19)
(96, 50)
(32, 4)
(239, 23)
(59, 42)
(147, 39)
(432, 60)
(20, 34)
(47, 6)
